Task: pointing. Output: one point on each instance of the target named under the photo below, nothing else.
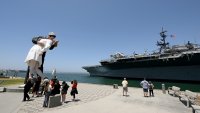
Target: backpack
(151, 86)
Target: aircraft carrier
(177, 62)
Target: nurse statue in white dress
(34, 57)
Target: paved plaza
(94, 98)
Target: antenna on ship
(162, 43)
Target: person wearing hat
(34, 58)
(125, 86)
(35, 40)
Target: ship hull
(185, 73)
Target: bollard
(115, 86)
(163, 89)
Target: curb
(13, 90)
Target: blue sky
(91, 30)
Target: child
(151, 86)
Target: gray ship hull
(185, 73)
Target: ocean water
(85, 78)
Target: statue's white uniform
(36, 50)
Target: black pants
(74, 91)
(151, 92)
(74, 96)
(26, 96)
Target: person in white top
(34, 57)
(145, 86)
(125, 86)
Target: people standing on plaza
(125, 86)
(74, 90)
(151, 86)
(64, 90)
(145, 86)
(27, 87)
(35, 41)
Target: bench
(54, 101)
(195, 109)
(175, 91)
(189, 97)
(115, 86)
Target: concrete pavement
(94, 98)
(134, 103)
(10, 102)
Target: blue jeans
(46, 99)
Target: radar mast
(162, 43)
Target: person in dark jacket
(64, 90)
(27, 87)
(56, 87)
